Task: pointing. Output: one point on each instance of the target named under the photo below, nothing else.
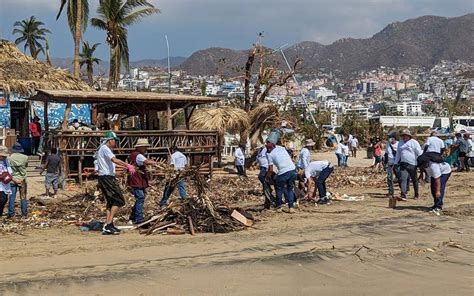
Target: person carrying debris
(305, 155)
(5, 178)
(439, 172)
(53, 169)
(239, 155)
(139, 181)
(279, 158)
(179, 162)
(408, 151)
(18, 162)
(316, 175)
(106, 165)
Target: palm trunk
(32, 48)
(111, 68)
(90, 75)
(77, 39)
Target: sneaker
(297, 204)
(108, 230)
(291, 211)
(436, 211)
(115, 228)
(279, 210)
(322, 201)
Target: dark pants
(392, 170)
(438, 202)
(3, 202)
(408, 171)
(321, 182)
(285, 184)
(137, 211)
(240, 170)
(35, 142)
(23, 201)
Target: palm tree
(114, 16)
(77, 16)
(87, 58)
(31, 33)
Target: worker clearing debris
(316, 173)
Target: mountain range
(423, 41)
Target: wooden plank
(191, 226)
(241, 218)
(67, 111)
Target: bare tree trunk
(111, 68)
(77, 39)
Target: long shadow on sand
(413, 208)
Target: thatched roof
(22, 74)
(222, 119)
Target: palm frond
(223, 119)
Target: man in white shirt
(408, 151)
(340, 154)
(470, 149)
(106, 162)
(439, 173)
(317, 173)
(279, 158)
(179, 162)
(434, 144)
(262, 161)
(305, 155)
(390, 154)
(354, 144)
(239, 155)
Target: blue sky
(197, 24)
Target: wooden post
(94, 114)
(45, 117)
(79, 169)
(67, 111)
(168, 116)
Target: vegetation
(31, 33)
(87, 58)
(114, 17)
(77, 16)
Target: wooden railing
(76, 146)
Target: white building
(361, 112)
(408, 109)
(405, 121)
(322, 94)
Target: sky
(192, 25)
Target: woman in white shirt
(240, 160)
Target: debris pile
(361, 177)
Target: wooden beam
(168, 116)
(67, 111)
(94, 114)
(180, 109)
(45, 116)
(187, 116)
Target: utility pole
(169, 64)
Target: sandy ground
(346, 248)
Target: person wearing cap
(5, 178)
(239, 155)
(279, 158)
(139, 181)
(35, 131)
(305, 155)
(316, 174)
(462, 146)
(434, 144)
(408, 151)
(18, 163)
(392, 169)
(179, 162)
(106, 165)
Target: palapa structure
(23, 75)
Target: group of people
(345, 149)
(107, 164)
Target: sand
(346, 248)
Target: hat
(310, 142)
(142, 142)
(110, 135)
(406, 132)
(4, 151)
(17, 148)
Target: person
(279, 158)
(439, 173)
(378, 155)
(340, 154)
(345, 152)
(139, 181)
(18, 163)
(448, 142)
(434, 144)
(305, 155)
(408, 150)
(35, 131)
(462, 146)
(354, 144)
(262, 161)
(106, 165)
(468, 141)
(53, 169)
(470, 149)
(392, 169)
(179, 163)
(5, 178)
(239, 155)
(316, 175)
